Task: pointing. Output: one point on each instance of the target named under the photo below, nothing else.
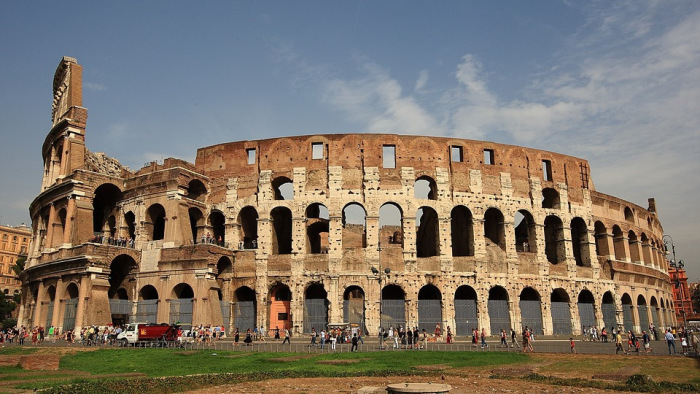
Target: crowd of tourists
(114, 241)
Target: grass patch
(16, 350)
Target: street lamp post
(677, 265)
(379, 273)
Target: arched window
(248, 221)
(393, 307)
(103, 206)
(555, 248)
(579, 242)
(494, 228)
(317, 228)
(354, 307)
(283, 188)
(196, 190)
(217, 221)
(619, 243)
(462, 231)
(525, 232)
(281, 230)
(499, 311)
(155, 227)
(550, 198)
(429, 308)
(390, 224)
(586, 309)
(561, 315)
(629, 215)
(354, 226)
(315, 308)
(601, 240)
(531, 310)
(633, 246)
(427, 233)
(466, 318)
(425, 188)
(196, 224)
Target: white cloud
(422, 80)
(95, 87)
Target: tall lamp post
(380, 274)
(676, 265)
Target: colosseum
(361, 229)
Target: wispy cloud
(94, 87)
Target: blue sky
(617, 83)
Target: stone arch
(196, 190)
(642, 313)
(244, 308)
(601, 239)
(655, 311)
(280, 298)
(62, 220)
(120, 270)
(531, 310)
(354, 226)
(248, 221)
(283, 188)
(155, 224)
(217, 221)
(354, 307)
(646, 250)
(586, 309)
(425, 188)
(499, 309)
(555, 247)
(619, 243)
(609, 310)
(315, 307)
(627, 315)
(579, 242)
(391, 224)
(281, 218)
(494, 228)
(629, 215)
(51, 294)
(104, 205)
(181, 303)
(427, 232)
(130, 220)
(525, 232)
(393, 311)
(317, 229)
(466, 315)
(550, 198)
(462, 226)
(429, 308)
(196, 223)
(561, 312)
(632, 244)
(70, 306)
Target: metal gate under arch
(69, 315)
(354, 313)
(531, 315)
(627, 318)
(643, 318)
(609, 315)
(586, 313)
(49, 315)
(393, 313)
(465, 317)
(226, 315)
(561, 318)
(315, 314)
(499, 316)
(181, 312)
(146, 311)
(655, 317)
(243, 315)
(429, 314)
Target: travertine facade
(359, 228)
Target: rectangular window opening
(457, 156)
(251, 155)
(489, 157)
(389, 156)
(317, 150)
(546, 170)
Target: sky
(614, 82)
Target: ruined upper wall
(354, 152)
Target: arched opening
(633, 245)
(643, 313)
(466, 319)
(317, 222)
(71, 307)
(354, 226)
(555, 247)
(629, 215)
(196, 190)
(315, 308)
(586, 309)
(217, 221)
(531, 310)
(525, 232)
(121, 270)
(550, 198)
(601, 240)
(354, 307)
(561, 313)
(280, 316)
(427, 233)
(429, 308)
(58, 238)
(248, 220)
(627, 313)
(391, 224)
(181, 302)
(281, 230)
(283, 188)
(579, 242)
(425, 188)
(155, 226)
(393, 307)
(499, 312)
(655, 311)
(104, 205)
(196, 224)
(51, 294)
(130, 220)
(462, 226)
(646, 251)
(147, 305)
(608, 309)
(619, 243)
(494, 229)
(244, 310)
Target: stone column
(575, 319)
(70, 219)
(50, 227)
(56, 317)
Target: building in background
(14, 243)
(682, 295)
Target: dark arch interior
(462, 232)
(104, 202)
(529, 294)
(72, 290)
(282, 293)
(196, 190)
(429, 292)
(427, 237)
(354, 293)
(559, 295)
(465, 293)
(156, 214)
(244, 293)
(626, 299)
(283, 188)
(316, 291)
(195, 222)
(498, 293)
(608, 298)
(224, 266)
(148, 293)
(118, 271)
(282, 230)
(494, 228)
(183, 290)
(218, 226)
(586, 297)
(248, 219)
(393, 292)
(550, 198)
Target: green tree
(7, 305)
(19, 265)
